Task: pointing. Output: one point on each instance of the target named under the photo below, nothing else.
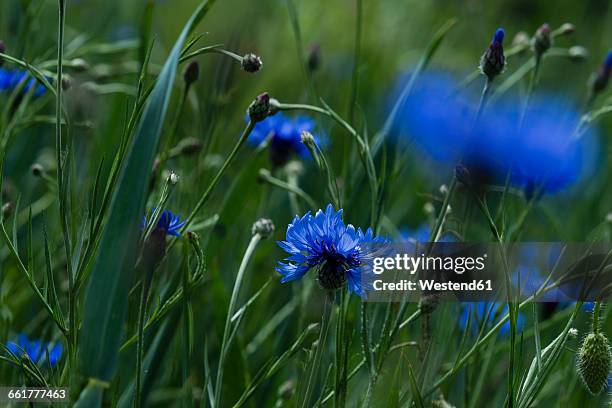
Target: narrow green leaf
(106, 297)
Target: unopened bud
(2, 50)
(493, 61)
(251, 63)
(307, 138)
(173, 178)
(542, 40)
(259, 109)
(192, 73)
(80, 65)
(313, 61)
(189, 146)
(599, 80)
(521, 41)
(7, 210)
(566, 29)
(578, 53)
(66, 83)
(37, 169)
(594, 362)
(263, 227)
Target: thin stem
(483, 99)
(596, 313)
(142, 307)
(316, 361)
(245, 134)
(532, 84)
(230, 312)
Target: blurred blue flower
(286, 136)
(10, 79)
(480, 309)
(337, 251)
(36, 350)
(546, 152)
(421, 235)
(168, 223)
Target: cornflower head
(542, 40)
(155, 244)
(36, 350)
(285, 135)
(545, 154)
(11, 78)
(493, 313)
(493, 61)
(599, 80)
(338, 252)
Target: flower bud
(259, 109)
(7, 210)
(251, 63)
(542, 40)
(462, 174)
(578, 53)
(192, 73)
(189, 146)
(566, 29)
(493, 61)
(37, 169)
(2, 50)
(594, 362)
(521, 41)
(66, 83)
(263, 227)
(313, 60)
(173, 178)
(599, 80)
(80, 65)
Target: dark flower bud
(599, 80)
(542, 40)
(37, 169)
(251, 63)
(189, 146)
(192, 73)
(66, 83)
(259, 109)
(594, 362)
(493, 61)
(429, 303)
(313, 60)
(7, 210)
(462, 174)
(2, 50)
(263, 227)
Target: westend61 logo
(536, 271)
(412, 264)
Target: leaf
(107, 293)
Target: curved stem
(230, 312)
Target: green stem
(142, 307)
(596, 313)
(230, 312)
(315, 363)
(245, 134)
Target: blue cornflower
(10, 79)
(337, 251)
(286, 136)
(36, 350)
(544, 153)
(421, 235)
(480, 309)
(168, 223)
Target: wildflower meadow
(291, 203)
